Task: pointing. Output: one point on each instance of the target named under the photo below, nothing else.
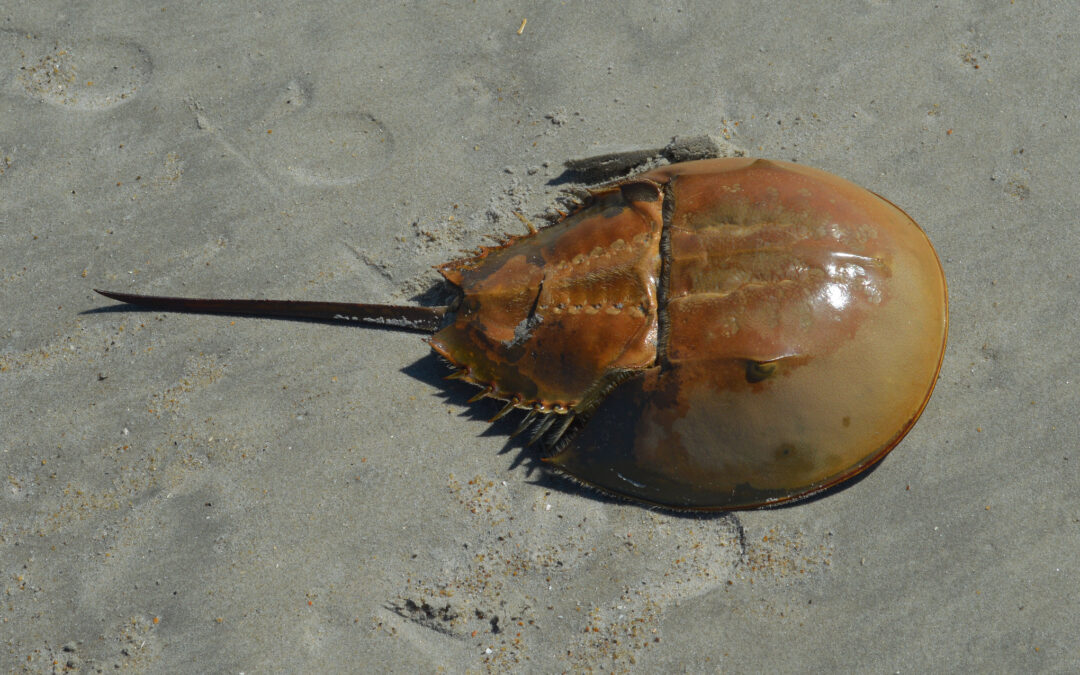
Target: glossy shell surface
(716, 334)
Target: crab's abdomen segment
(546, 319)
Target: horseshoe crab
(714, 334)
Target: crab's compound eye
(759, 371)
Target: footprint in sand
(310, 143)
(75, 73)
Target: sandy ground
(205, 494)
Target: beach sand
(212, 494)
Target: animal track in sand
(81, 74)
(306, 142)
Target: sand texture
(199, 494)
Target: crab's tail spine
(402, 317)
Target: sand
(206, 494)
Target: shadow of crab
(431, 370)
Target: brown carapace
(716, 334)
